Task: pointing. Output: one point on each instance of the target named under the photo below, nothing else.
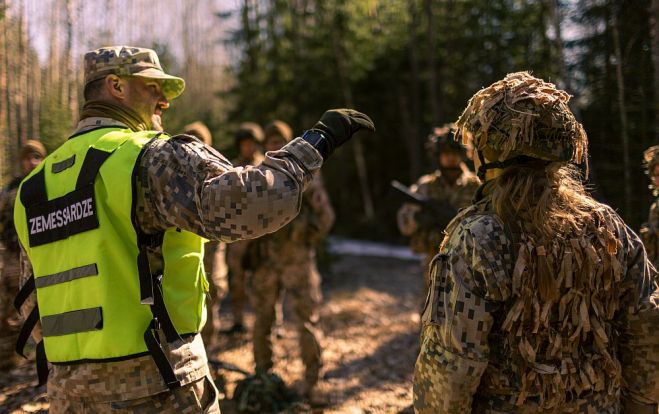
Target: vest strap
(26, 330)
(42, 364)
(76, 321)
(90, 166)
(158, 354)
(66, 276)
(33, 190)
(24, 293)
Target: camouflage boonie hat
(130, 61)
(523, 115)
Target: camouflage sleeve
(31, 301)
(468, 281)
(191, 186)
(639, 323)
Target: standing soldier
(113, 224)
(32, 153)
(214, 258)
(542, 299)
(287, 260)
(248, 138)
(446, 190)
(650, 230)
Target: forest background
(410, 64)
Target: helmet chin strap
(482, 169)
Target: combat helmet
(248, 130)
(522, 118)
(441, 139)
(650, 161)
(278, 128)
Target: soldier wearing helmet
(449, 188)
(286, 260)
(650, 231)
(31, 154)
(542, 300)
(247, 141)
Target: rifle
(434, 214)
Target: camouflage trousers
(10, 321)
(301, 281)
(235, 253)
(196, 397)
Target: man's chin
(156, 123)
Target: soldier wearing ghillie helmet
(542, 300)
(650, 231)
(450, 187)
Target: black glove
(338, 126)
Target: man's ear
(115, 86)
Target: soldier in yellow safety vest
(113, 225)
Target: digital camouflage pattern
(650, 234)
(286, 260)
(183, 183)
(650, 230)
(130, 61)
(235, 257)
(10, 322)
(434, 187)
(489, 346)
(197, 397)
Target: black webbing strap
(94, 159)
(26, 330)
(158, 354)
(33, 190)
(42, 364)
(160, 313)
(24, 293)
(518, 160)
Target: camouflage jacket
(580, 355)
(650, 234)
(435, 187)
(186, 184)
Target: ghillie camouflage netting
(524, 115)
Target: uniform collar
(97, 122)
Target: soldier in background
(32, 153)
(449, 188)
(286, 260)
(214, 259)
(542, 299)
(650, 231)
(248, 138)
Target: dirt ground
(370, 322)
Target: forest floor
(370, 321)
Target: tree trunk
(5, 156)
(346, 91)
(415, 116)
(432, 64)
(654, 24)
(623, 116)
